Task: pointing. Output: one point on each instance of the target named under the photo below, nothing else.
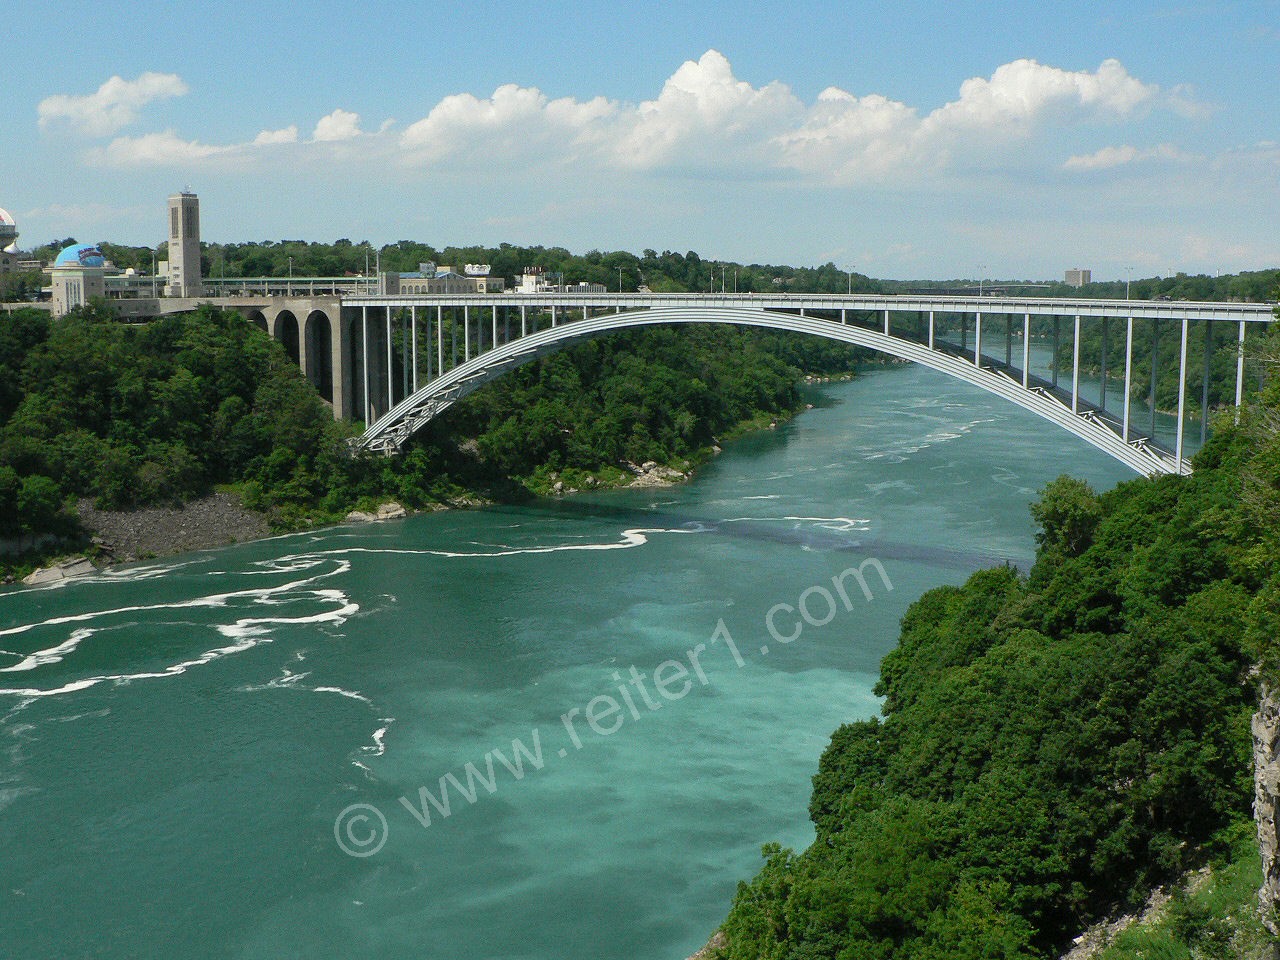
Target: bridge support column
(1008, 341)
(1239, 370)
(553, 314)
(1155, 360)
(1182, 393)
(413, 324)
(1026, 350)
(1075, 367)
(1053, 362)
(1102, 392)
(977, 340)
(391, 380)
(524, 320)
(930, 329)
(886, 321)
(844, 316)
(1128, 377)
(305, 360)
(466, 334)
(1204, 383)
(340, 363)
(364, 358)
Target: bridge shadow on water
(787, 531)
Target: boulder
(75, 567)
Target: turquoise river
(248, 752)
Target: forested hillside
(1054, 744)
(158, 413)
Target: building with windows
(184, 246)
(429, 278)
(79, 275)
(1078, 278)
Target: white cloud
(339, 125)
(514, 122)
(1109, 157)
(112, 107)
(846, 138)
(702, 109)
(707, 121)
(1024, 91)
(267, 137)
(156, 150)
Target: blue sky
(907, 140)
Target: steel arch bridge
(1066, 409)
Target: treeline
(135, 415)
(666, 272)
(1249, 286)
(1053, 745)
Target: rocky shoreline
(218, 520)
(213, 521)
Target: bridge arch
(256, 317)
(284, 328)
(317, 335)
(389, 433)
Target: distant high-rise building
(1078, 278)
(185, 279)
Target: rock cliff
(1266, 802)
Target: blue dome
(81, 255)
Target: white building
(79, 275)
(8, 245)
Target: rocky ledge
(385, 511)
(214, 521)
(1266, 802)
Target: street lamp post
(291, 276)
(1128, 278)
(982, 276)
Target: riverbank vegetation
(160, 413)
(1052, 745)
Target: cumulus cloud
(514, 122)
(1024, 91)
(1109, 157)
(339, 125)
(705, 118)
(703, 108)
(156, 150)
(707, 121)
(112, 107)
(267, 137)
(851, 139)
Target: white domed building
(8, 245)
(79, 275)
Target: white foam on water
(53, 654)
(351, 694)
(245, 632)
